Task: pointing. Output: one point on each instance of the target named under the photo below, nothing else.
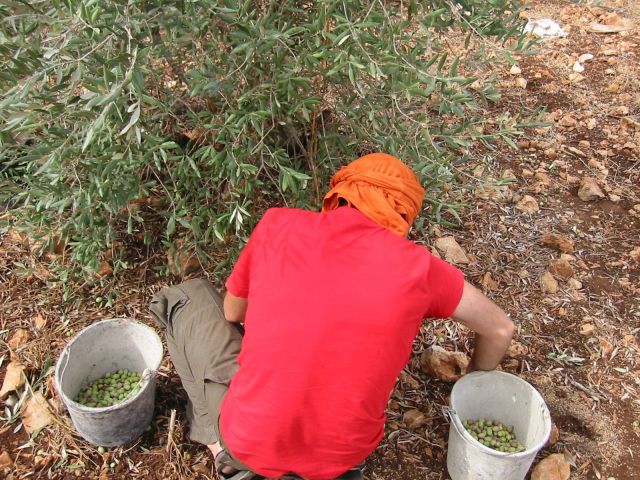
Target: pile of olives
(114, 387)
(494, 435)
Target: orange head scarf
(381, 187)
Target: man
(331, 303)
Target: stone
(559, 242)
(620, 110)
(517, 349)
(548, 284)
(589, 190)
(515, 70)
(528, 204)
(19, 338)
(611, 23)
(543, 178)
(554, 467)
(442, 364)
(576, 151)
(451, 250)
(568, 121)
(521, 82)
(587, 329)
(414, 419)
(561, 268)
(574, 284)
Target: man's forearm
(235, 308)
(492, 326)
(488, 351)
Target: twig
(172, 423)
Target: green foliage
(145, 120)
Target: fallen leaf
(451, 250)
(587, 329)
(554, 436)
(5, 460)
(19, 338)
(606, 347)
(182, 263)
(39, 322)
(13, 378)
(202, 468)
(36, 414)
(104, 270)
(488, 282)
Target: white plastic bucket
(508, 399)
(97, 350)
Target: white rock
(545, 27)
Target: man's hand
(234, 308)
(491, 324)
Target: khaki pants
(204, 349)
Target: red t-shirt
(334, 303)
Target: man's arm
(234, 308)
(491, 324)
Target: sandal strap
(222, 460)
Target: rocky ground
(551, 234)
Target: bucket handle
(64, 363)
(449, 413)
